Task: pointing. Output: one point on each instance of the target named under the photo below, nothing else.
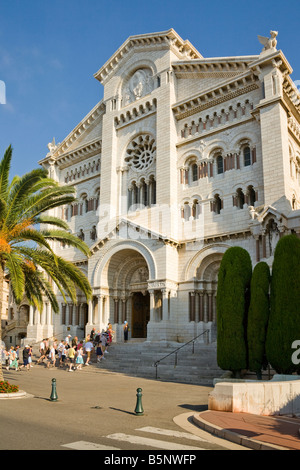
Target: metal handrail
(177, 349)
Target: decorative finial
(269, 43)
(52, 146)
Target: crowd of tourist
(70, 353)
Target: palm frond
(4, 172)
(21, 191)
(37, 287)
(66, 237)
(17, 278)
(50, 220)
(30, 235)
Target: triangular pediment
(169, 39)
(125, 229)
(262, 213)
(84, 140)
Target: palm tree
(26, 255)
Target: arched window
(194, 172)
(251, 196)
(240, 198)
(152, 191)
(186, 211)
(220, 164)
(196, 209)
(143, 193)
(247, 156)
(217, 204)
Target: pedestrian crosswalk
(121, 439)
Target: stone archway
(124, 278)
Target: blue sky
(49, 51)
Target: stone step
(139, 360)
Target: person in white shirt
(88, 349)
(68, 339)
(42, 352)
(51, 357)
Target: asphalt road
(96, 410)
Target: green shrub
(258, 316)
(284, 322)
(232, 305)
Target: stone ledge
(274, 397)
(14, 395)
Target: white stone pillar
(152, 305)
(90, 313)
(31, 315)
(165, 304)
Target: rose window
(141, 152)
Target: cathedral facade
(184, 157)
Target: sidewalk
(253, 431)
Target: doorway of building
(140, 314)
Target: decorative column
(49, 315)
(205, 310)
(90, 313)
(100, 311)
(264, 251)
(165, 304)
(123, 310)
(31, 315)
(116, 310)
(152, 305)
(201, 306)
(257, 248)
(43, 315)
(210, 305)
(197, 305)
(192, 306)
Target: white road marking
(164, 445)
(83, 445)
(168, 432)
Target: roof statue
(269, 43)
(52, 146)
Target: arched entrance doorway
(140, 314)
(125, 280)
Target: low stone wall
(274, 397)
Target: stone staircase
(137, 358)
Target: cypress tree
(284, 322)
(232, 304)
(258, 316)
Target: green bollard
(139, 407)
(53, 396)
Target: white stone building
(184, 157)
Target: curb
(232, 436)
(14, 395)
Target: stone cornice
(291, 96)
(294, 127)
(167, 39)
(270, 58)
(222, 67)
(212, 131)
(61, 149)
(225, 91)
(78, 154)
